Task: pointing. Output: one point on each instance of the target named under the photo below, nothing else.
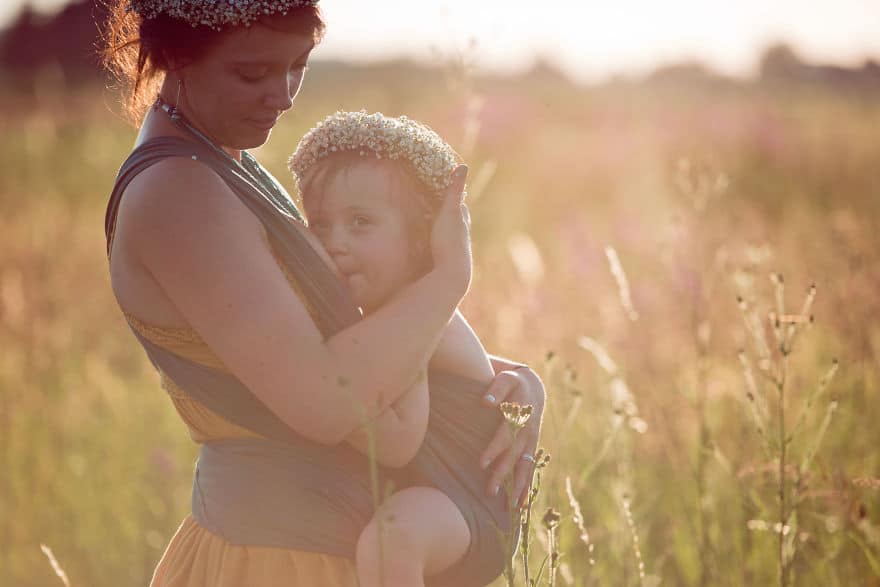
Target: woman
(205, 254)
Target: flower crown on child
(427, 156)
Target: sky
(591, 40)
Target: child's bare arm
(398, 431)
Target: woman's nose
(281, 95)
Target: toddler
(371, 186)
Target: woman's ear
(172, 63)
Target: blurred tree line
(64, 44)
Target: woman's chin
(251, 139)
(255, 143)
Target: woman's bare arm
(397, 432)
(206, 250)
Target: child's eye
(360, 221)
(318, 225)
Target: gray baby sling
(284, 490)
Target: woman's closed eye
(252, 74)
(258, 73)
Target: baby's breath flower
(215, 14)
(430, 158)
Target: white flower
(428, 155)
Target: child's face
(362, 226)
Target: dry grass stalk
(578, 519)
(622, 283)
(56, 567)
(637, 550)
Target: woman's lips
(264, 124)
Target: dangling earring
(174, 111)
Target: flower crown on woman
(215, 14)
(427, 156)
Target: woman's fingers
(503, 468)
(501, 388)
(524, 387)
(456, 187)
(499, 443)
(522, 476)
(450, 234)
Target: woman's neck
(170, 95)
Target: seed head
(542, 458)
(516, 414)
(551, 519)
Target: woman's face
(236, 92)
(360, 221)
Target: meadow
(709, 426)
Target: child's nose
(336, 241)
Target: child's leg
(422, 533)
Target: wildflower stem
(813, 397)
(783, 567)
(524, 537)
(509, 564)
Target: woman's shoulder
(181, 227)
(172, 215)
(181, 193)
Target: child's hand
(450, 236)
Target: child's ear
(459, 179)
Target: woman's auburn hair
(139, 51)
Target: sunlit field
(628, 243)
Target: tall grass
(648, 419)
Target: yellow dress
(196, 557)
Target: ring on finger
(528, 457)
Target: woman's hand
(450, 236)
(523, 386)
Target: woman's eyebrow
(270, 62)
